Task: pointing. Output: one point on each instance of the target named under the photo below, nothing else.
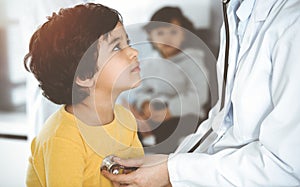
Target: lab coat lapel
(245, 13)
(258, 16)
(233, 51)
(248, 40)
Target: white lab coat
(259, 144)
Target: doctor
(256, 136)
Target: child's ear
(87, 83)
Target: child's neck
(95, 112)
(105, 112)
(104, 103)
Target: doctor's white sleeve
(273, 159)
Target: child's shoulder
(60, 124)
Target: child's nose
(132, 53)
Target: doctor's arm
(272, 159)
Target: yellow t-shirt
(68, 152)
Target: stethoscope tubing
(226, 25)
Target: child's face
(168, 39)
(118, 64)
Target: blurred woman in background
(178, 88)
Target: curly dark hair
(58, 46)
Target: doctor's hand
(152, 172)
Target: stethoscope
(227, 36)
(226, 25)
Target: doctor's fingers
(115, 184)
(121, 179)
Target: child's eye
(121, 46)
(129, 43)
(117, 48)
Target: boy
(82, 60)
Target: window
(12, 72)
(12, 50)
